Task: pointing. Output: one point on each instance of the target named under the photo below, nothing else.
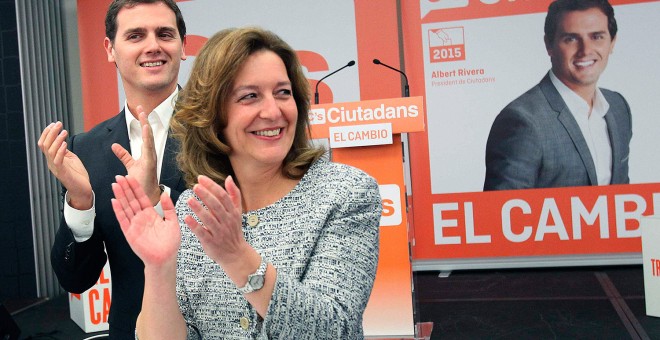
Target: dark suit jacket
(535, 142)
(78, 265)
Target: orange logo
(405, 115)
(446, 44)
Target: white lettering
(506, 220)
(622, 215)
(579, 212)
(470, 236)
(359, 114)
(439, 223)
(331, 117)
(550, 211)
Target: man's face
(147, 48)
(580, 49)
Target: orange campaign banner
(537, 222)
(469, 59)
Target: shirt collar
(163, 112)
(576, 104)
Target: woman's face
(261, 112)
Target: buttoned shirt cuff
(81, 222)
(158, 206)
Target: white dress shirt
(591, 121)
(81, 222)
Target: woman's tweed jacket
(323, 239)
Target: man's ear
(183, 48)
(612, 46)
(109, 49)
(548, 45)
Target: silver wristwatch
(255, 281)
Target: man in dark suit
(565, 131)
(145, 39)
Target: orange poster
(469, 59)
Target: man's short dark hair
(558, 8)
(117, 5)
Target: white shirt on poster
(593, 127)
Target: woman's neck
(261, 187)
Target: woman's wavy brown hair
(201, 116)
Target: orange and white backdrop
(496, 53)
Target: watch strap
(261, 271)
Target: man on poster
(145, 40)
(565, 131)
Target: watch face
(257, 281)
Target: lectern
(367, 135)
